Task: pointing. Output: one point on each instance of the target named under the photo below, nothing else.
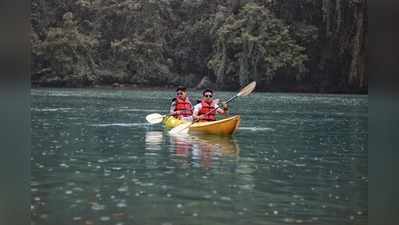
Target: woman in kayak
(204, 110)
(181, 107)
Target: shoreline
(172, 89)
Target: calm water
(296, 159)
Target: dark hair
(181, 88)
(207, 90)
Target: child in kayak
(204, 110)
(181, 107)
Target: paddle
(154, 118)
(183, 128)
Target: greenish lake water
(296, 159)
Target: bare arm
(223, 110)
(196, 110)
(220, 111)
(172, 108)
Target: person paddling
(181, 106)
(204, 111)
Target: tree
(254, 45)
(70, 54)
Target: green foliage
(254, 44)
(174, 42)
(139, 45)
(143, 60)
(69, 53)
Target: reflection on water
(203, 150)
(153, 140)
(200, 150)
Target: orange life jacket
(205, 108)
(185, 106)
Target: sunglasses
(208, 96)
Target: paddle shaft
(170, 114)
(230, 99)
(244, 92)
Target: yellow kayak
(225, 126)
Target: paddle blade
(247, 89)
(154, 118)
(181, 129)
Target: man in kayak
(204, 110)
(181, 107)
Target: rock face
(205, 83)
(338, 56)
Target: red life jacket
(184, 106)
(205, 108)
